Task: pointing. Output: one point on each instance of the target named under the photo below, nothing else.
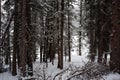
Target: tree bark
(115, 42)
(23, 41)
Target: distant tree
(81, 19)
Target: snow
(112, 76)
(52, 70)
(7, 76)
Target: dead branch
(60, 73)
(89, 71)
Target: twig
(60, 73)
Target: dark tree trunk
(69, 36)
(0, 16)
(15, 40)
(61, 35)
(93, 21)
(115, 42)
(0, 29)
(104, 30)
(102, 25)
(58, 37)
(41, 51)
(0, 24)
(42, 40)
(80, 32)
(51, 52)
(23, 41)
(7, 50)
(31, 55)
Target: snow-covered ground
(52, 69)
(7, 76)
(112, 76)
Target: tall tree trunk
(58, 37)
(23, 41)
(0, 28)
(15, 39)
(0, 40)
(104, 30)
(0, 20)
(115, 42)
(80, 32)
(92, 30)
(42, 40)
(61, 34)
(31, 55)
(69, 51)
(102, 25)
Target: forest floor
(51, 71)
(7, 76)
